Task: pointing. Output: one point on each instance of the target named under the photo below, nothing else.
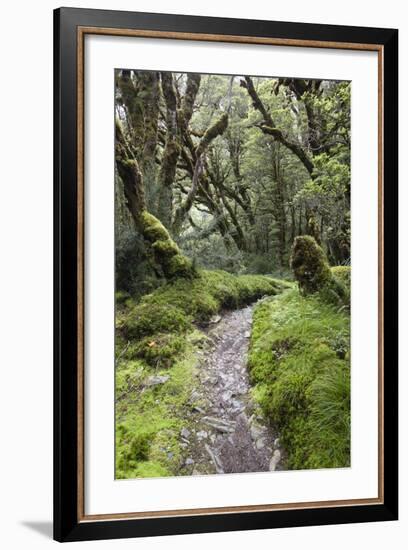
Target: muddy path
(226, 430)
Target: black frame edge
(66, 525)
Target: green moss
(179, 266)
(299, 368)
(166, 252)
(158, 350)
(156, 337)
(149, 418)
(152, 229)
(129, 378)
(150, 469)
(121, 298)
(343, 274)
(313, 273)
(166, 249)
(309, 265)
(149, 318)
(206, 294)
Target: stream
(227, 432)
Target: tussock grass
(299, 365)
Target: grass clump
(299, 366)
(343, 274)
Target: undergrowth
(155, 339)
(300, 369)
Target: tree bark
(165, 251)
(217, 129)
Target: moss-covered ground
(156, 343)
(299, 365)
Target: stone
(155, 380)
(220, 425)
(185, 433)
(202, 434)
(260, 444)
(226, 396)
(276, 442)
(216, 460)
(247, 334)
(274, 460)
(256, 432)
(215, 319)
(189, 461)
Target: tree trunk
(165, 251)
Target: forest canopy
(224, 172)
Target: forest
(232, 273)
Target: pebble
(155, 380)
(189, 461)
(226, 396)
(256, 432)
(260, 443)
(202, 434)
(185, 433)
(215, 319)
(274, 460)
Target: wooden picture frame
(70, 28)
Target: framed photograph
(225, 274)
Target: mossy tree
(313, 273)
(309, 264)
(166, 253)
